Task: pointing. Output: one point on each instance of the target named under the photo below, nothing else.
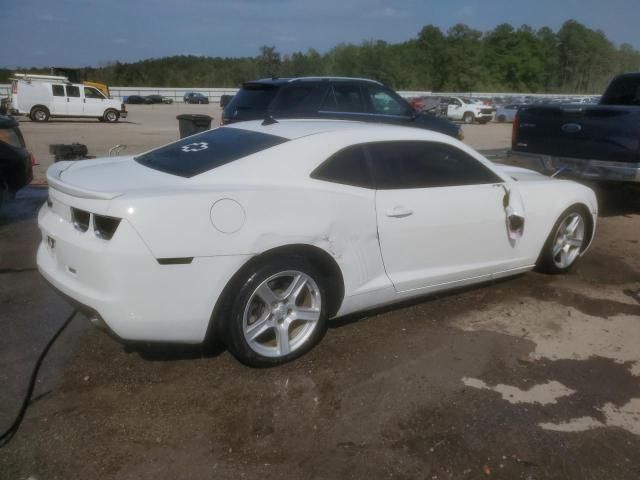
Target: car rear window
(205, 151)
(623, 91)
(12, 137)
(252, 98)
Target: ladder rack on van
(28, 77)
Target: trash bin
(190, 124)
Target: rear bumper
(597, 170)
(118, 281)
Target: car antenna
(268, 119)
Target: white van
(44, 96)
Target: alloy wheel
(282, 313)
(568, 240)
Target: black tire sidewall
(232, 327)
(468, 118)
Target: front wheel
(278, 314)
(567, 240)
(111, 116)
(468, 118)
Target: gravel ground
(528, 378)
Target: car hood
(107, 178)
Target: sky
(94, 32)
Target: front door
(93, 102)
(441, 217)
(454, 109)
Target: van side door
(58, 100)
(74, 100)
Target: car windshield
(466, 100)
(253, 97)
(200, 153)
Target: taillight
(514, 130)
(105, 227)
(14, 87)
(80, 219)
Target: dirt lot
(529, 378)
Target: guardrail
(214, 94)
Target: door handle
(398, 211)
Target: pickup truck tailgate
(598, 132)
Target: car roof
(275, 81)
(296, 128)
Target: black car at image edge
(329, 97)
(16, 163)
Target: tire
(468, 118)
(566, 241)
(39, 114)
(111, 116)
(484, 121)
(261, 300)
(502, 118)
(101, 119)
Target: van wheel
(111, 116)
(39, 114)
(468, 118)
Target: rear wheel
(468, 118)
(278, 314)
(567, 240)
(39, 114)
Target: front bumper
(120, 282)
(597, 170)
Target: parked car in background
(133, 99)
(269, 230)
(167, 100)
(596, 142)
(150, 99)
(329, 97)
(468, 111)
(195, 97)
(506, 113)
(16, 163)
(42, 97)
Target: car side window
(417, 164)
(348, 167)
(73, 91)
(58, 90)
(295, 99)
(92, 93)
(343, 98)
(384, 103)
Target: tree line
(575, 59)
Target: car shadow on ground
(170, 352)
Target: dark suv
(16, 163)
(329, 97)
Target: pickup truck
(593, 142)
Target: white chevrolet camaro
(259, 232)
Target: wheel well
(110, 110)
(319, 258)
(39, 106)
